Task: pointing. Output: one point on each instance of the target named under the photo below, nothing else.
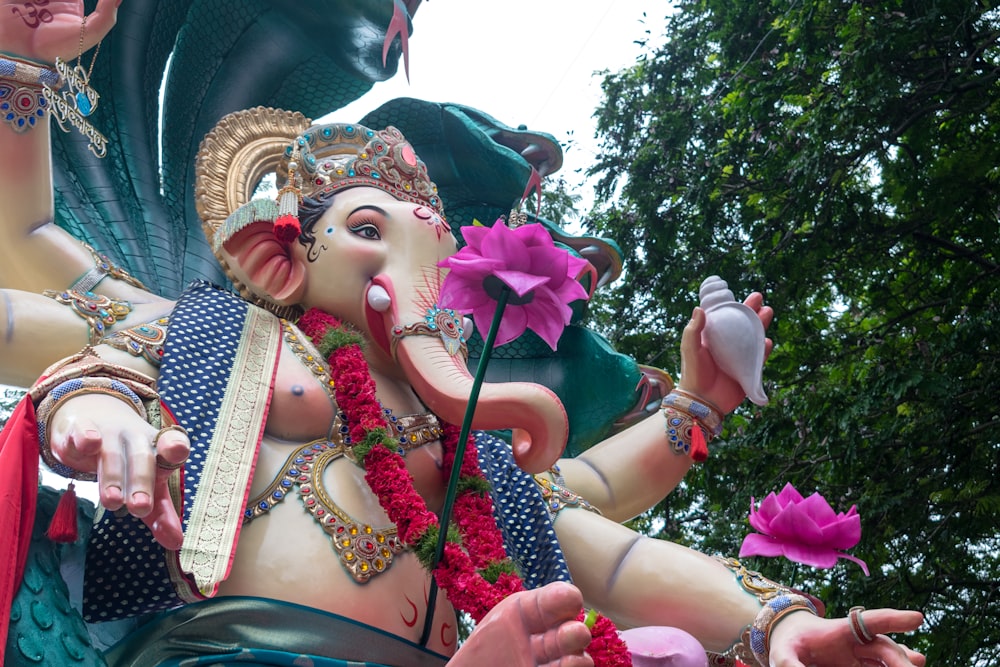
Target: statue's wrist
(25, 102)
(771, 614)
(691, 423)
(707, 412)
(28, 72)
(777, 602)
(66, 391)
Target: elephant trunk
(444, 384)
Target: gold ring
(160, 461)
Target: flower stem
(456, 464)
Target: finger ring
(160, 461)
(165, 429)
(858, 627)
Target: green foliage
(842, 158)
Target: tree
(845, 159)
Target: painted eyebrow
(369, 207)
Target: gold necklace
(86, 97)
(363, 549)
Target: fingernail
(140, 498)
(92, 434)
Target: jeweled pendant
(83, 104)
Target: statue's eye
(366, 230)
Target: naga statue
(267, 389)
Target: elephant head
(371, 238)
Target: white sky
(528, 62)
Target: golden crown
(336, 156)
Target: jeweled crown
(336, 156)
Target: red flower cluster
(461, 570)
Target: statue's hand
(95, 433)
(802, 639)
(43, 30)
(700, 374)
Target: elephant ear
(235, 157)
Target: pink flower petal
(756, 544)
(789, 495)
(513, 323)
(548, 319)
(473, 235)
(843, 533)
(770, 507)
(519, 281)
(863, 565)
(820, 510)
(502, 243)
(794, 524)
(810, 555)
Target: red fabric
(18, 498)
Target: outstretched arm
(633, 470)
(35, 254)
(641, 581)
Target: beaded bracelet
(67, 390)
(770, 614)
(704, 411)
(21, 71)
(757, 634)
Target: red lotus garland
(476, 577)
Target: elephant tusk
(468, 327)
(379, 299)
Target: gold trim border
(217, 511)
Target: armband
(558, 497)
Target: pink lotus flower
(542, 278)
(804, 530)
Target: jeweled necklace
(475, 571)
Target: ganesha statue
(274, 462)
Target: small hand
(700, 374)
(803, 640)
(99, 434)
(46, 30)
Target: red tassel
(287, 228)
(63, 526)
(699, 449)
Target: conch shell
(735, 336)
